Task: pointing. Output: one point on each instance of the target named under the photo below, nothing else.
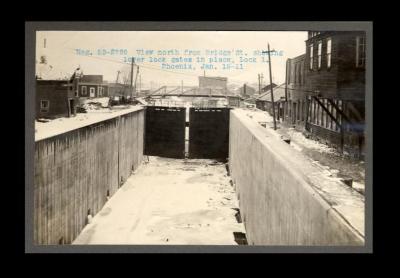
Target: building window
(328, 53)
(311, 57)
(319, 54)
(44, 106)
(84, 90)
(360, 52)
(299, 73)
(92, 92)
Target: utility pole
(259, 84)
(133, 62)
(137, 74)
(118, 72)
(244, 89)
(285, 110)
(272, 89)
(140, 83)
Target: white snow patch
(63, 125)
(169, 201)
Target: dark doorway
(71, 107)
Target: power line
(231, 80)
(154, 68)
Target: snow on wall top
(347, 202)
(62, 125)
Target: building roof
(279, 93)
(268, 87)
(86, 78)
(49, 81)
(214, 77)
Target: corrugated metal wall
(74, 171)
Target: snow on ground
(298, 140)
(61, 125)
(95, 103)
(327, 158)
(169, 201)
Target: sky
(60, 50)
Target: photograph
(210, 137)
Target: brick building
(56, 98)
(326, 88)
(92, 86)
(209, 82)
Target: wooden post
(132, 63)
(342, 138)
(272, 89)
(307, 111)
(285, 108)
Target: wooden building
(326, 88)
(92, 86)
(264, 101)
(295, 108)
(55, 98)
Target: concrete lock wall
(276, 189)
(75, 170)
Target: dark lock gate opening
(165, 131)
(208, 132)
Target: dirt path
(335, 164)
(169, 201)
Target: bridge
(191, 91)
